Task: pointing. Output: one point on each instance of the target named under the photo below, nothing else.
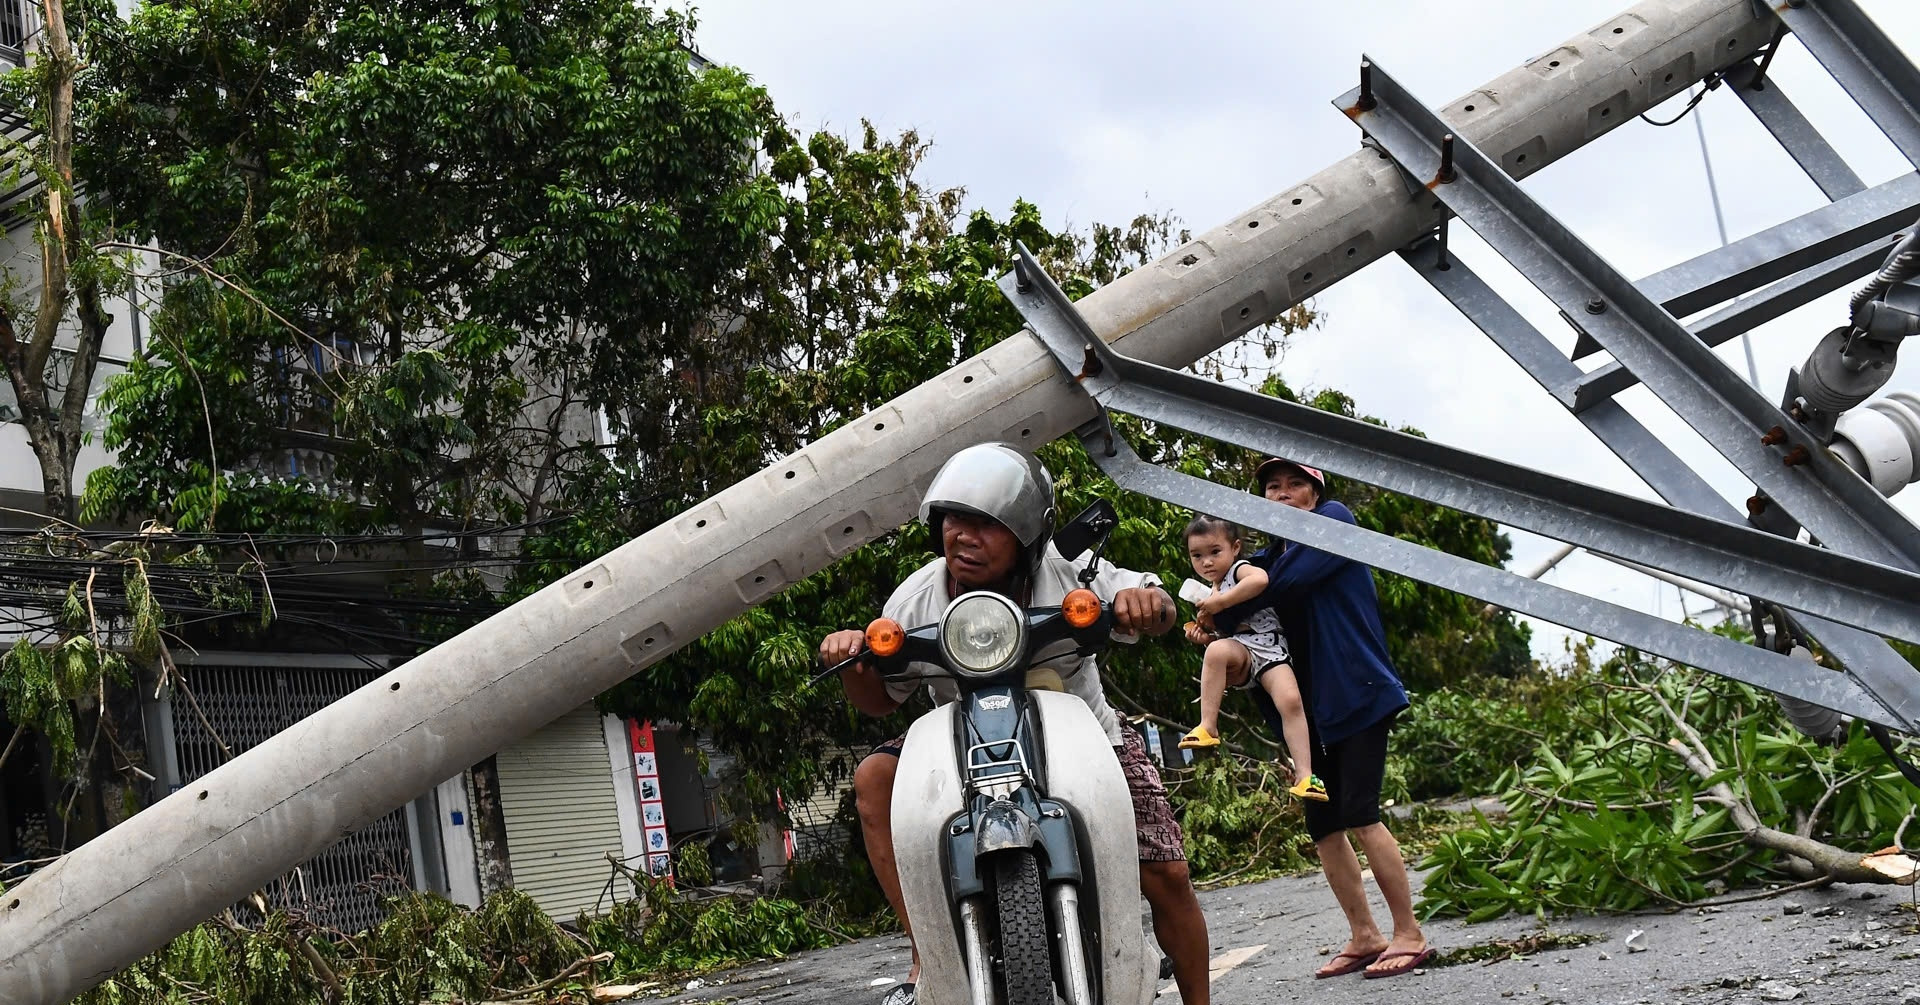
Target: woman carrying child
(1255, 654)
(1330, 605)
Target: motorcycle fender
(1095, 790)
(1003, 825)
(927, 794)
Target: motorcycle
(1012, 820)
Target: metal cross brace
(1603, 382)
(1781, 117)
(1066, 335)
(1838, 507)
(1884, 673)
(1836, 180)
(1864, 219)
(1865, 62)
(1685, 543)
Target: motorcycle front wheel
(1025, 951)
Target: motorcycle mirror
(1087, 530)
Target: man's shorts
(1155, 828)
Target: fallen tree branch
(1832, 863)
(583, 963)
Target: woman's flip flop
(1355, 961)
(1416, 956)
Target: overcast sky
(1099, 112)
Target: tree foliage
(423, 242)
(1653, 787)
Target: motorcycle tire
(1026, 953)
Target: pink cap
(1267, 466)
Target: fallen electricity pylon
(206, 846)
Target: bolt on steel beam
(1839, 508)
(1679, 541)
(1884, 673)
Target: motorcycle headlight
(982, 633)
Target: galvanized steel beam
(1112, 380)
(1819, 490)
(1742, 316)
(1862, 219)
(1781, 117)
(1883, 673)
(1865, 61)
(1680, 541)
(1770, 671)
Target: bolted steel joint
(1595, 305)
(1446, 160)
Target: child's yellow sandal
(1199, 737)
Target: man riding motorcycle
(990, 509)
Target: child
(1257, 654)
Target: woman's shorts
(1353, 771)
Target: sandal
(902, 994)
(1355, 962)
(1414, 957)
(1198, 737)
(1309, 787)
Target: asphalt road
(1814, 947)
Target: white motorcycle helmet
(1000, 482)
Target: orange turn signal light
(1081, 608)
(885, 636)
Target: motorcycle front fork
(973, 936)
(1063, 903)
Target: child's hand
(1206, 622)
(1210, 606)
(1198, 635)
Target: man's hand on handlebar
(1146, 610)
(842, 646)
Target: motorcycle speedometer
(981, 633)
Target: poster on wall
(653, 812)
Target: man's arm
(863, 685)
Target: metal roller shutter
(556, 792)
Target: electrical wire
(1712, 81)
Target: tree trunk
(489, 828)
(54, 428)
